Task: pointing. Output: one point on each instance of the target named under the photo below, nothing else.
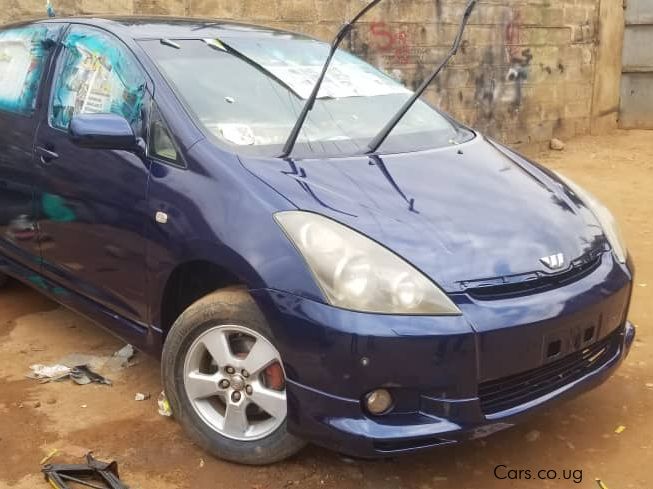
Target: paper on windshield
(347, 76)
(342, 80)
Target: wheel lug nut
(249, 390)
(224, 384)
(235, 397)
(245, 373)
(230, 370)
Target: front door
(24, 56)
(92, 203)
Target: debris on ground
(48, 373)
(83, 368)
(620, 429)
(48, 457)
(141, 396)
(93, 470)
(601, 484)
(164, 405)
(80, 374)
(124, 355)
(532, 436)
(83, 375)
(556, 145)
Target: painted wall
(527, 71)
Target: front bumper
(453, 378)
(340, 424)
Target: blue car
(309, 268)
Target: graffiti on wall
(504, 86)
(391, 42)
(486, 85)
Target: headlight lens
(359, 274)
(604, 216)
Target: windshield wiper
(380, 138)
(310, 102)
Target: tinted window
(23, 53)
(96, 74)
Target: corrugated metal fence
(637, 79)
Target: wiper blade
(380, 138)
(227, 48)
(310, 102)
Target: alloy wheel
(234, 379)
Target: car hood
(471, 212)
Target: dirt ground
(153, 453)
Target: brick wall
(525, 74)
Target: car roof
(140, 28)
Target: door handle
(46, 155)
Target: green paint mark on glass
(23, 53)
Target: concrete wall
(529, 70)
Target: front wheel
(3, 280)
(225, 381)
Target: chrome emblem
(554, 262)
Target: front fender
(218, 212)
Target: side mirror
(103, 131)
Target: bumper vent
(508, 392)
(532, 283)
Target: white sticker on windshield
(341, 81)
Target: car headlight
(357, 273)
(604, 216)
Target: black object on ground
(82, 374)
(94, 473)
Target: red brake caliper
(274, 378)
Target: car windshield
(248, 92)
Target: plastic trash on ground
(164, 405)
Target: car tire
(3, 280)
(196, 363)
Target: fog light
(378, 402)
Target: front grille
(508, 392)
(520, 285)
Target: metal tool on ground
(94, 473)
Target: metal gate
(637, 74)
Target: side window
(161, 143)
(23, 55)
(96, 74)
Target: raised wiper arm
(380, 138)
(310, 102)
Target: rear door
(92, 203)
(24, 56)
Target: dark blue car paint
(461, 214)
